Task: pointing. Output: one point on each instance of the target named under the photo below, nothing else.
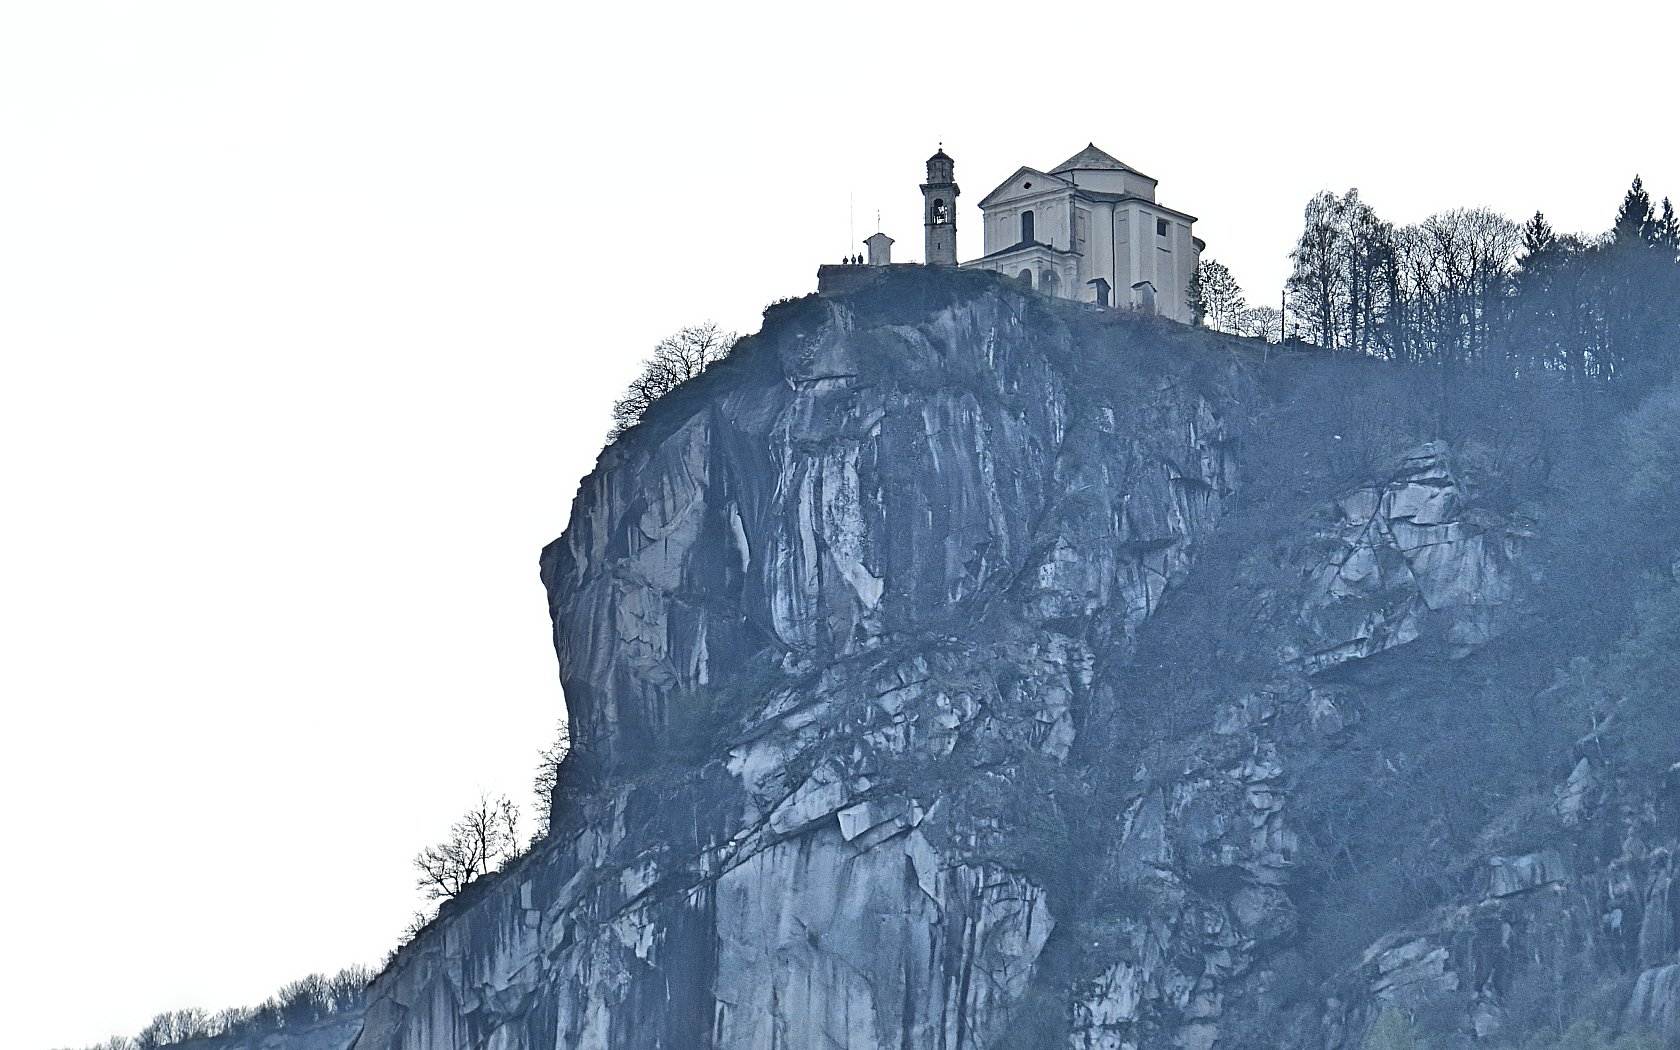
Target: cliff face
(952, 668)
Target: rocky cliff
(956, 668)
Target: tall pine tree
(1668, 228)
(1634, 219)
(1538, 237)
(1641, 284)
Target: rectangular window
(1160, 227)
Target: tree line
(303, 1002)
(1470, 289)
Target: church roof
(1121, 198)
(1022, 246)
(1005, 184)
(1093, 159)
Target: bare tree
(416, 923)
(175, 1026)
(1343, 272)
(549, 761)
(1260, 322)
(675, 360)
(300, 1002)
(317, 995)
(1474, 251)
(1317, 284)
(1221, 296)
(479, 843)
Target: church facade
(1089, 229)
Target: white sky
(311, 313)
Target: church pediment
(1026, 182)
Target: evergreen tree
(1634, 219)
(1668, 228)
(1538, 238)
(1641, 286)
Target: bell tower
(939, 210)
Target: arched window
(939, 211)
(1026, 226)
(1025, 277)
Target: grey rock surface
(941, 678)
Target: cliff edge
(953, 668)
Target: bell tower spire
(939, 209)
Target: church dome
(1092, 159)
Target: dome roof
(1092, 159)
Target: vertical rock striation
(938, 679)
(821, 621)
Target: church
(1088, 229)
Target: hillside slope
(957, 668)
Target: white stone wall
(1120, 246)
(1002, 223)
(1113, 182)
